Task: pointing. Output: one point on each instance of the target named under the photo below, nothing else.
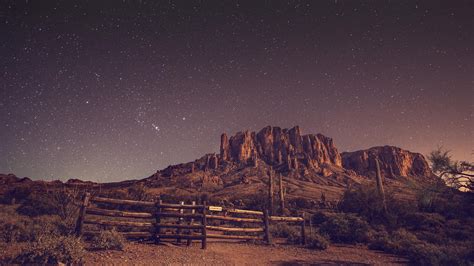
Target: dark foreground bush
(50, 250)
(108, 240)
(343, 228)
(283, 230)
(316, 241)
(18, 228)
(293, 236)
(404, 243)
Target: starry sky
(114, 90)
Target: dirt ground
(226, 253)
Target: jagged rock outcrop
(394, 162)
(277, 146)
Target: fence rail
(189, 222)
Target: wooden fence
(181, 221)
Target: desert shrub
(138, 192)
(301, 203)
(345, 228)
(293, 236)
(283, 230)
(16, 195)
(460, 230)
(424, 221)
(402, 242)
(256, 201)
(52, 250)
(364, 200)
(19, 228)
(316, 241)
(108, 240)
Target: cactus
(380, 184)
(282, 194)
(270, 191)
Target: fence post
(204, 224)
(82, 212)
(266, 222)
(303, 230)
(180, 221)
(191, 231)
(158, 221)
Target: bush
(404, 243)
(365, 201)
(283, 230)
(293, 236)
(424, 221)
(316, 241)
(52, 250)
(16, 194)
(108, 240)
(301, 203)
(345, 228)
(17, 228)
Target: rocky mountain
(309, 165)
(394, 162)
(277, 147)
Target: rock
(275, 146)
(393, 162)
(225, 150)
(212, 161)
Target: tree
(458, 174)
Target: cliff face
(277, 146)
(393, 162)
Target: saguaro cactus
(270, 191)
(380, 189)
(282, 194)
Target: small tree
(458, 174)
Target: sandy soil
(226, 253)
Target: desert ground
(232, 253)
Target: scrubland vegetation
(435, 227)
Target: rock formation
(277, 146)
(393, 162)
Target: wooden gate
(160, 221)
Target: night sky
(114, 90)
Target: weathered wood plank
(178, 206)
(177, 236)
(266, 223)
(114, 213)
(234, 237)
(285, 219)
(234, 219)
(234, 229)
(180, 215)
(239, 211)
(182, 226)
(82, 213)
(125, 234)
(204, 224)
(121, 201)
(118, 223)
